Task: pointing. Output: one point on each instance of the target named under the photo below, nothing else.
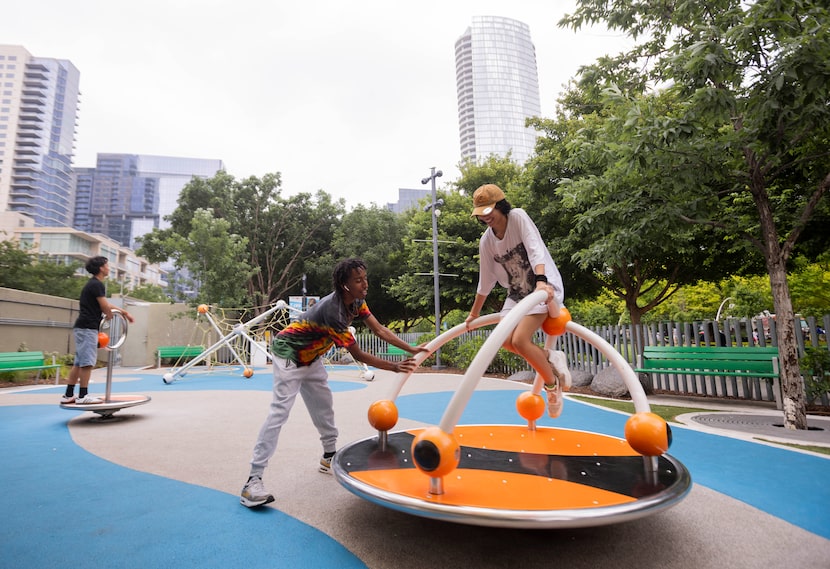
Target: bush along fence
(630, 341)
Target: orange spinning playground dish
(513, 476)
(510, 475)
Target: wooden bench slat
(687, 371)
(697, 360)
(712, 357)
(394, 351)
(736, 365)
(177, 351)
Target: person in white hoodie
(513, 254)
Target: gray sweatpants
(289, 379)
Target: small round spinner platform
(108, 408)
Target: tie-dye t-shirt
(321, 326)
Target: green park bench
(749, 364)
(177, 353)
(394, 353)
(702, 360)
(28, 361)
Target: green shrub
(815, 368)
(504, 360)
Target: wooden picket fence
(629, 341)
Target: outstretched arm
(107, 309)
(389, 336)
(357, 353)
(475, 311)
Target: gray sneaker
(254, 494)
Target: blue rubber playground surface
(64, 506)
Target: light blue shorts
(86, 346)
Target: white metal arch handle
(118, 323)
(495, 340)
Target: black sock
(82, 392)
(70, 391)
(328, 454)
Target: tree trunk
(792, 385)
(775, 256)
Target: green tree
(810, 286)
(148, 293)
(613, 221)
(57, 279)
(22, 270)
(281, 235)
(215, 258)
(546, 171)
(746, 151)
(499, 170)
(457, 236)
(15, 264)
(285, 235)
(375, 235)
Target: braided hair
(343, 270)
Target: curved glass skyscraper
(498, 88)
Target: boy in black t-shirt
(85, 331)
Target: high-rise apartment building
(498, 88)
(38, 111)
(127, 195)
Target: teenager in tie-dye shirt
(298, 368)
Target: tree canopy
(271, 239)
(22, 270)
(743, 148)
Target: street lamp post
(431, 178)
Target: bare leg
(81, 374)
(86, 373)
(74, 375)
(521, 343)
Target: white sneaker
(66, 399)
(254, 494)
(88, 400)
(554, 395)
(559, 362)
(325, 464)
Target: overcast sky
(354, 98)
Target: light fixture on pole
(435, 213)
(720, 308)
